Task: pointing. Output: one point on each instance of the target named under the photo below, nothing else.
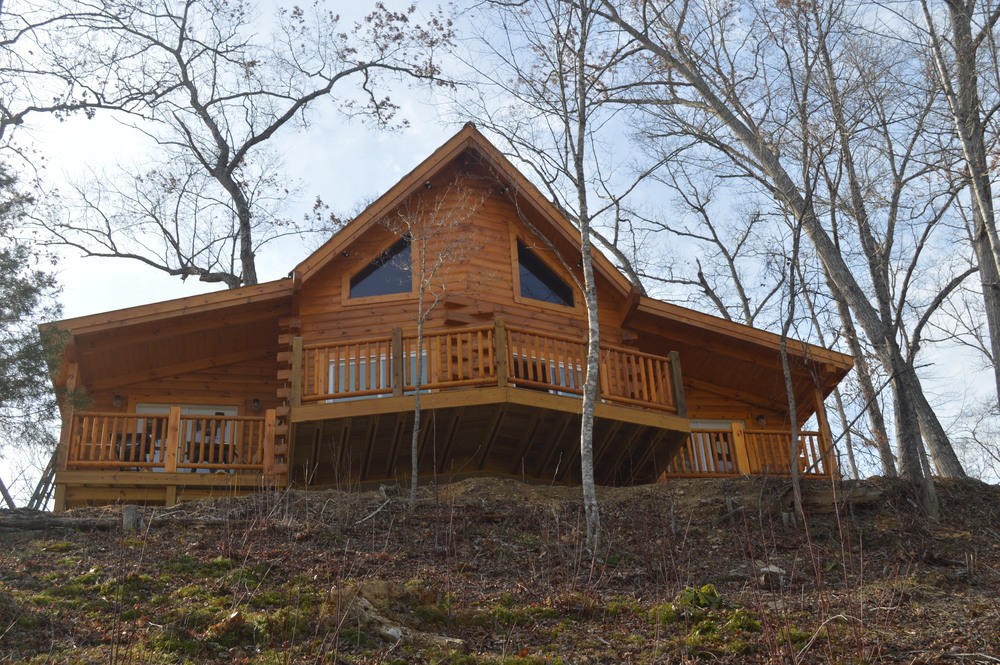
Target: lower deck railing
(170, 443)
(735, 451)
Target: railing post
(677, 384)
(270, 419)
(740, 449)
(66, 436)
(398, 376)
(500, 348)
(295, 389)
(173, 437)
(825, 437)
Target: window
(553, 374)
(389, 273)
(219, 433)
(371, 374)
(540, 282)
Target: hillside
(493, 571)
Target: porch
(496, 399)
(737, 451)
(162, 459)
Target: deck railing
(735, 451)
(171, 442)
(493, 355)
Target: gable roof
(526, 194)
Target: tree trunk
(591, 386)
(908, 443)
(880, 434)
(769, 166)
(966, 109)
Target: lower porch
(162, 459)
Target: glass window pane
(387, 274)
(540, 282)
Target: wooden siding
(478, 283)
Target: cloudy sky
(344, 163)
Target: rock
(773, 577)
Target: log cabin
(312, 380)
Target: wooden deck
(735, 452)
(492, 355)
(497, 399)
(160, 459)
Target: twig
(812, 639)
(377, 511)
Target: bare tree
(215, 88)
(442, 238)
(554, 69)
(41, 69)
(968, 48)
(737, 272)
(738, 83)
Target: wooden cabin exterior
(311, 381)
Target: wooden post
(743, 464)
(172, 451)
(295, 389)
(66, 435)
(398, 376)
(270, 420)
(65, 438)
(825, 436)
(500, 348)
(677, 384)
(173, 437)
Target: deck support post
(65, 436)
(740, 449)
(171, 452)
(397, 362)
(173, 437)
(829, 464)
(677, 384)
(269, 451)
(500, 347)
(295, 389)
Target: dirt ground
(495, 571)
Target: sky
(342, 163)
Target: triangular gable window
(540, 282)
(389, 273)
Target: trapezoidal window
(389, 273)
(539, 281)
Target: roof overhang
(738, 360)
(113, 349)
